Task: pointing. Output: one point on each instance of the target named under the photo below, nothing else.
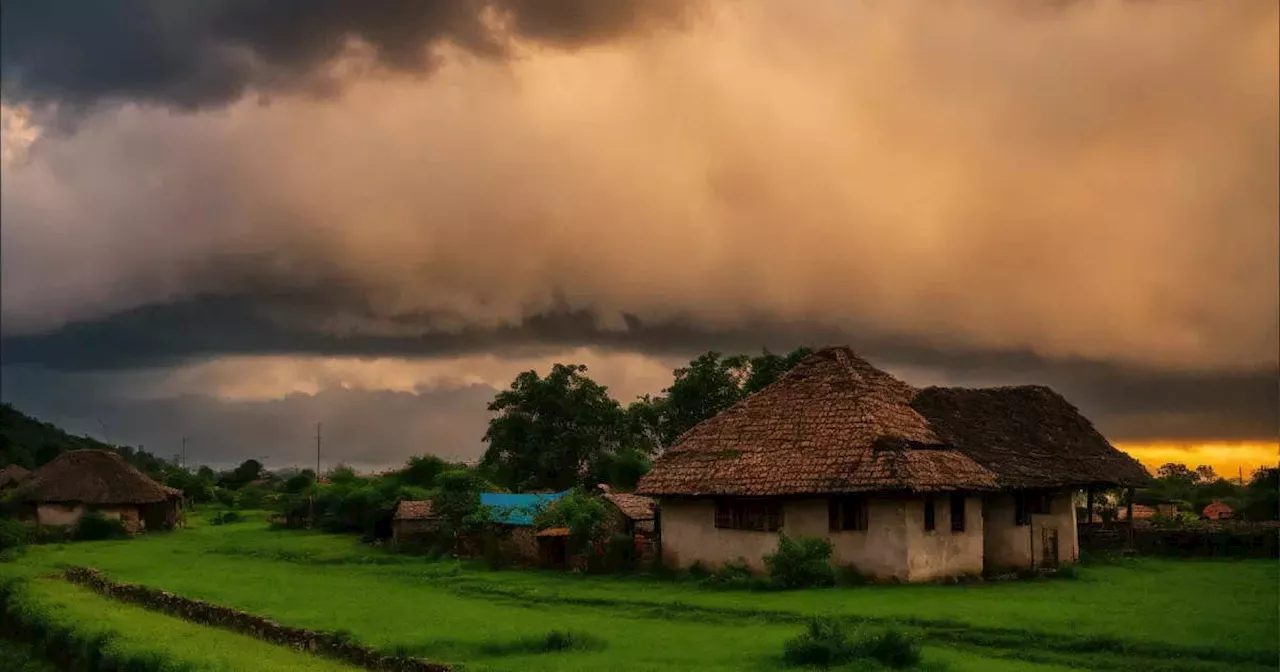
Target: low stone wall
(1203, 538)
(204, 613)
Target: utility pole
(317, 450)
(184, 452)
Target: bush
(13, 534)
(827, 642)
(735, 574)
(93, 526)
(802, 562)
(620, 553)
(224, 518)
(848, 575)
(552, 642)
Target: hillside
(30, 442)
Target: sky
(231, 220)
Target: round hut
(79, 481)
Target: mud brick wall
(204, 613)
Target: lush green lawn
(139, 633)
(1171, 615)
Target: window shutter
(833, 514)
(930, 523)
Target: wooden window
(745, 514)
(847, 513)
(1028, 503)
(930, 518)
(957, 512)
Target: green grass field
(1148, 615)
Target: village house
(510, 531)
(1217, 511)
(79, 481)
(413, 522)
(906, 484)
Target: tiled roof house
(906, 483)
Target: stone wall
(204, 613)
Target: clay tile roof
(13, 475)
(91, 477)
(1030, 436)
(413, 510)
(635, 507)
(1216, 509)
(554, 532)
(832, 424)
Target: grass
(133, 633)
(1151, 615)
(18, 657)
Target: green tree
(457, 500)
(421, 471)
(300, 481)
(580, 511)
(1262, 495)
(769, 367)
(550, 433)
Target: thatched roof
(836, 424)
(635, 507)
(91, 477)
(13, 475)
(832, 424)
(413, 510)
(1030, 436)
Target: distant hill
(31, 443)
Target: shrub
(620, 553)
(552, 642)
(224, 518)
(827, 642)
(93, 526)
(802, 562)
(13, 534)
(736, 574)
(848, 575)
(698, 570)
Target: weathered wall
(59, 514)
(942, 553)
(689, 535)
(412, 531)
(62, 515)
(253, 625)
(1011, 547)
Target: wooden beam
(1129, 514)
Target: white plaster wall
(1011, 547)
(941, 552)
(880, 551)
(59, 514)
(69, 514)
(689, 535)
(1062, 517)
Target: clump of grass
(827, 642)
(555, 641)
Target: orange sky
(1226, 458)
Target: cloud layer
(1098, 181)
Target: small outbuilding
(413, 522)
(79, 481)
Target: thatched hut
(906, 484)
(78, 481)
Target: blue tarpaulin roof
(516, 509)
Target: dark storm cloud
(205, 52)
(1127, 403)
